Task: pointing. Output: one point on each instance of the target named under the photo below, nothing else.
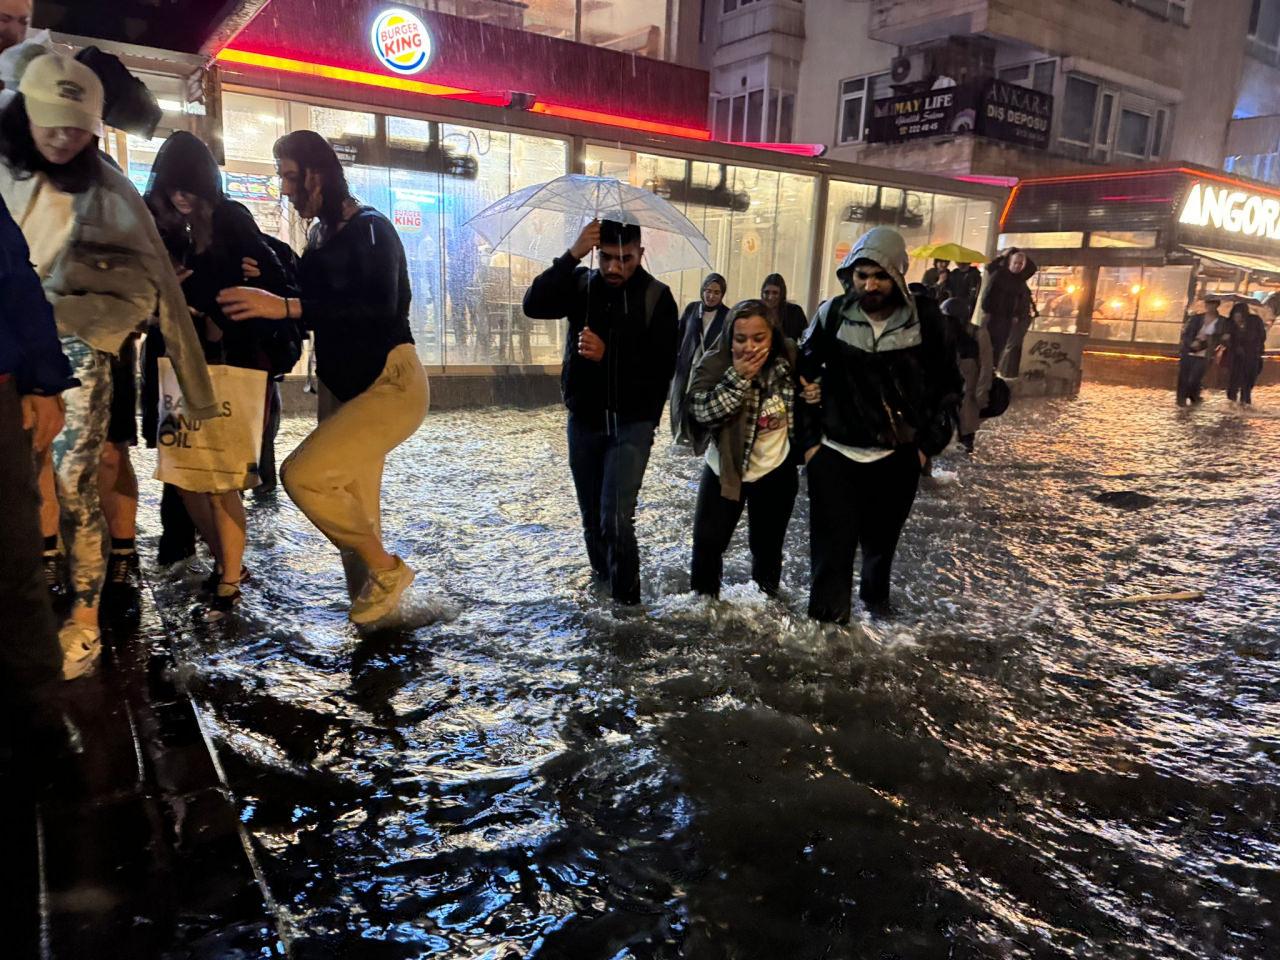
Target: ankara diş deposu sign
(1232, 210)
(400, 41)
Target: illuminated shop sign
(400, 42)
(1235, 211)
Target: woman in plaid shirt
(743, 397)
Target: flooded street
(1003, 771)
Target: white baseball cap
(62, 92)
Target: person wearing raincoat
(743, 397)
(700, 327)
(973, 356)
(106, 272)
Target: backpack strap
(652, 294)
(829, 317)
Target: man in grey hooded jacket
(889, 387)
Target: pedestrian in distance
(1007, 308)
(743, 398)
(889, 388)
(373, 392)
(1246, 341)
(210, 238)
(700, 327)
(937, 273)
(1201, 335)
(619, 358)
(105, 270)
(973, 357)
(786, 316)
(963, 281)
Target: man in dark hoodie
(619, 356)
(890, 386)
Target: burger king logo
(400, 41)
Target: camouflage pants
(76, 454)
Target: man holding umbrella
(619, 357)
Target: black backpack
(284, 345)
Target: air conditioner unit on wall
(908, 68)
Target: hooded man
(619, 357)
(890, 386)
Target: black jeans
(768, 502)
(1191, 371)
(854, 505)
(608, 468)
(30, 657)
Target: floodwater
(1004, 770)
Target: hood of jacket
(884, 246)
(185, 163)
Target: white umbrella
(542, 221)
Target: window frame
(867, 95)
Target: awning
(1241, 261)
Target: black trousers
(267, 459)
(608, 467)
(854, 505)
(1191, 371)
(30, 657)
(1242, 376)
(768, 502)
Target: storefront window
(854, 208)
(1162, 304)
(757, 221)
(1057, 293)
(1123, 238)
(1049, 240)
(342, 124)
(251, 126)
(1115, 303)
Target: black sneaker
(120, 594)
(55, 575)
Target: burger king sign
(400, 41)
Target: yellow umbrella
(948, 251)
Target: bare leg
(201, 511)
(228, 518)
(118, 488)
(48, 494)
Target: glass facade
(1143, 304)
(854, 208)
(615, 24)
(758, 221)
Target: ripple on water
(517, 768)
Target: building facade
(1098, 82)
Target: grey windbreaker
(114, 275)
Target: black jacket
(1008, 296)
(1191, 333)
(894, 398)
(632, 380)
(964, 284)
(793, 321)
(689, 332)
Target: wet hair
(312, 153)
(717, 279)
(1240, 308)
(619, 234)
(775, 280)
(19, 153)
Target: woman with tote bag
(209, 238)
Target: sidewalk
(133, 847)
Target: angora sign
(1234, 211)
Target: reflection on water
(1002, 772)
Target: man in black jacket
(890, 386)
(619, 356)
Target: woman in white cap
(105, 271)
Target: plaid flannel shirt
(733, 394)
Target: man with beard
(890, 385)
(620, 354)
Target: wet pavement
(1004, 770)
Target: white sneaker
(81, 647)
(381, 593)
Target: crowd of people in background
(1235, 342)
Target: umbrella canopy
(542, 221)
(948, 251)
